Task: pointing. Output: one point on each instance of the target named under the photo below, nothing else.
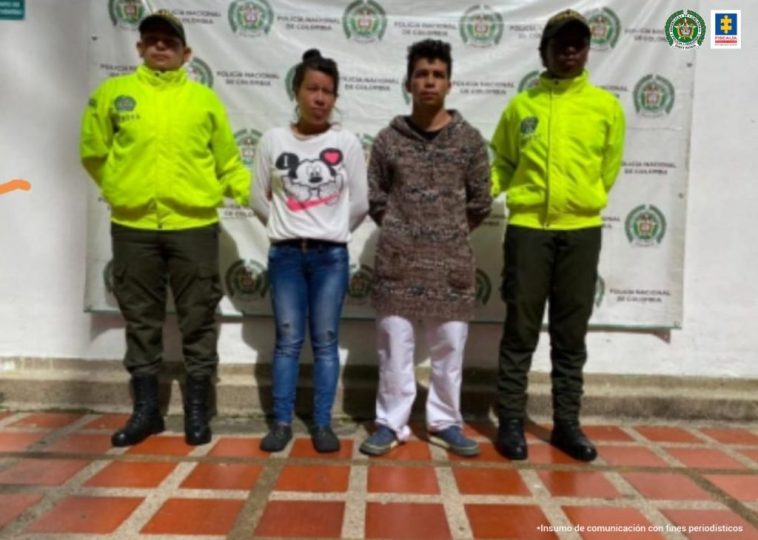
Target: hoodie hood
(400, 124)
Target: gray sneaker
(276, 439)
(324, 440)
(380, 442)
(453, 439)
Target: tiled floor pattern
(60, 479)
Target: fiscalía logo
(645, 225)
(251, 18)
(247, 142)
(246, 280)
(685, 29)
(362, 279)
(727, 29)
(367, 141)
(653, 96)
(530, 80)
(124, 103)
(481, 26)
(126, 13)
(599, 290)
(364, 21)
(483, 287)
(199, 71)
(605, 28)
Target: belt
(306, 244)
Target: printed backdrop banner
(246, 51)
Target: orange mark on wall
(13, 185)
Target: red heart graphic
(332, 157)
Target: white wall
(42, 232)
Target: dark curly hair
(313, 60)
(430, 49)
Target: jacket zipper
(160, 97)
(546, 223)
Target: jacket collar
(161, 78)
(564, 85)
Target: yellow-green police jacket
(160, 148)
(557, 153)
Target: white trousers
(397, 382)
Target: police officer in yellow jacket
(558, 151)
(161, 150)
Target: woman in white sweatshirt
(310, 190)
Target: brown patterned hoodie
(426, 196)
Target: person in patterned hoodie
(429, 187)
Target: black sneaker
(324, 439)
(276, 439)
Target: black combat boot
(568, 436)
(196, 393)
(510, 438)
(146, 416)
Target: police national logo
(481, 26)
(685, 29)
(289, 78)
(124, 103)
(483, 287)
(108, 277)
(250, 18)
(406, 94)
(599, 290)
(126, 13)
(247, 142)
(528, 126)
(645, 226)
(530, 80)
(490, 152)
(605, 28)
(364, 21)
(362, 279)
(246, 280)
(367, 141)
(199, 71)
(653, 96)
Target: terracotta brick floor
(60, 479)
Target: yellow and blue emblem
(727, 29)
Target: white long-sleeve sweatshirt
(311, 187)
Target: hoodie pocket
(461, 273)
(390, 257)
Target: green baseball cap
(164, 17)
(561, 20)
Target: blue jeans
(307, 282)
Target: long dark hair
(312, 59)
